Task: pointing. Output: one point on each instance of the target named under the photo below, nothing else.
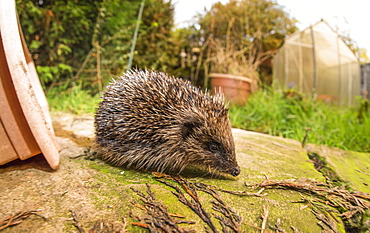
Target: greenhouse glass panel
(317, 62)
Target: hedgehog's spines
(151, 121)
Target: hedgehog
(148, 120)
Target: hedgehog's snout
(235, 171)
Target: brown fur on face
(148, 120)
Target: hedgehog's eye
(213, 147)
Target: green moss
(354, 167)
(351, 168)
(327, 170)
(113, 189)
(263, 156)
(366, 222)
(259, 156)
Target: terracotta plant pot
(235, 88)
(25, 123)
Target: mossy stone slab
(353, 167)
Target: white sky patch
(351, 16)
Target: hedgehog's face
(221, 157)
(212, 146)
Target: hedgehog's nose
(235, 171)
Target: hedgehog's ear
(189, 126)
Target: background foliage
(240, 37)
(85, 43)
(58, 34)
(79, 45)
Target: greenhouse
(316, 61)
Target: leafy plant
(85, 43)
(58, 34)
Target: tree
(254, 29)
(156, 47)
(58, 34)
(61, 35)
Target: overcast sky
(352, 16)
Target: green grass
(74, 100)
(275, 113)
(267, 111)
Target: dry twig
(194, 204)
(238, 193)
(18, 218)
(229, 218)
(325, 221)
(264, 218)
(158, 218)
(348, 204)
(347, 198)
(277, 227)
(105, 226)
(76, 223)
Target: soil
(32, 185)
